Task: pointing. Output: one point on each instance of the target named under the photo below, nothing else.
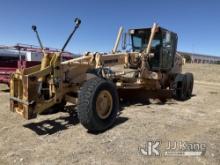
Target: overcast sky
(197, 22)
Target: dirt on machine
(96, 82)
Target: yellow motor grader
(96, 82)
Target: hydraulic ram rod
(77, 23)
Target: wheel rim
(104, 104)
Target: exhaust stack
(153, 31)
(117, 39)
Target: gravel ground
(60, 139)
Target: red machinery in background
(22, 56)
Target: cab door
(169, 43)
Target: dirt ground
(60, 139)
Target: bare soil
(61, 139)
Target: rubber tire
(181, 87)
(190, 83)
(86, 108)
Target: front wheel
(98, 104)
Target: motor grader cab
(96, 82)
(163, 47)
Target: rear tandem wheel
(183, 86)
